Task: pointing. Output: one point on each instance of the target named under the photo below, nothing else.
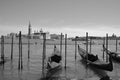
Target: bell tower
(29, 28)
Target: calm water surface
(32, 68)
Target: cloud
(80, 30)
(5, 29)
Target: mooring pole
(116, 75)
(106, 47)
(12, 48)
(103, 47)
(54, 47)
(86, 51)
(76, 48)
(90, 44)
(61, 44)
(21, 51)
(116, 43)
(2, 48)
(28, 46)
(19, 64)
(65, 50)
(87, 44)
(44, 54)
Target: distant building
(56, 36)
(29, 30)
(35, 35)
(38, 35)
(113, 35)
(11, 34)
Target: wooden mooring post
(21, 55)
(106, 47)
(103, 47)
(44, 54)
(2, 48)
(61, 44)
(65, 50)
(87, 44)
(87, 53)
(76, 47)
(12, 48)
(19, 65)
(116, 40)
(90, 44)
(20, 62)
(116, 43)
(28, 46)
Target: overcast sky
(74, 17)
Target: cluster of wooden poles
(89, 47)
(20, 62)
(105, 42)
(2, 48)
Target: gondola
(94, 61)
(115, 56)
(53, 63)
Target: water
(32, 69)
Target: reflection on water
(100, 73)
(32, 68)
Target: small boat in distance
(93, 60)
(115, 56)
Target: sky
(72, 17)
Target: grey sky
(74, 17)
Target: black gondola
(115, 56)
(53, 63)
(93, 60)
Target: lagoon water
(32, 68)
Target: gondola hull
(117, 59)
(53, 63)
(93, 60)
(50, 72)
(115, 56)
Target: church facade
(37, 34)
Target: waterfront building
(38, 34)
(56, 36)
